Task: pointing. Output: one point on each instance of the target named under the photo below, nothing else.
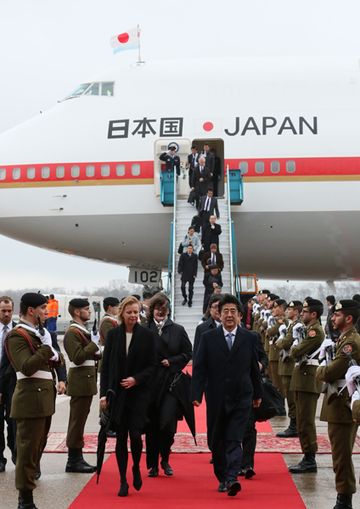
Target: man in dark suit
(209, 158)
(201, 180)
(192, 163)
(171, 159)
(212, 257)
(210, 233)
(187, 267)
(226, 364)
(7, 383)
(208, 206)
(211, 281)
(211, 323)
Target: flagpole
(139, 61)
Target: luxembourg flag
(126, 40)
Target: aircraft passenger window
(105, 170)
(30, 173)
(135, 170)
(75, 172)
(90, 170)
(290, 166)
(60, 172)
(107, 88)
(275, 167)
(244, 167)
(120, 170)
(259, 167)
(45, 172)
(93, 90)
(2, 173)
(16, 173)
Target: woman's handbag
(272, 402)
(180, 248)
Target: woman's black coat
(140, 363)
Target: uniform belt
(45, 375)
(85, 363)
(312, 362)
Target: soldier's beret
(294, 303)
(111, 301)
(347, 304)
(172, 147)
(79, 303)
(263, 292)
(273, 296)
(33, 299)
(280, 302)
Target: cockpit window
(104, 88)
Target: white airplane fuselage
(83, 177)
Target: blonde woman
(128, 366)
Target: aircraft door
(183, 146)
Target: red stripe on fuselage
(139, 170)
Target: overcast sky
(47, 47)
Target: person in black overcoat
(174, 351)
(211, 323)
(129, 364)
(210, 233)
(208, 206)
(201, 180)
(211, 281)
(226, 366)
(187, 268)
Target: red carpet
(194, 485)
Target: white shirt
(2, 335)
(128, 341)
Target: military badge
(347, 349)
(312, 333)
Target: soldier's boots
(290, 431)
(26, 500)
(343, 501)
(76, 463)
(307, 465)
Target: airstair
(183, 213)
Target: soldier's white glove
(95, 337)
(352, 373)
(46, 340)
(282, 330)
(324, 345)
(355, 397)
(323, 363)
(297, 332)
(295, 343)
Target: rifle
(352, 362)
(330, 389)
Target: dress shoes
(233, 488)
(153, 472)
(343, 502)
(77, 464)
(37, 475)
(111, 434)
(249, 472)
(222, 487)
(137, 481)
(167, 468)
(306, 466)
(189, 303)
(184, 302)
(124, 490)
(2, 465)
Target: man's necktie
(229, 340)
(207, 204)
(5, 331)
(213, 259)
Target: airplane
(84, 177)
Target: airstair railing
(173, 252)
(232, 285)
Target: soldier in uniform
(29, 350)
(171, 159)
(286, 364)
(261, 297)
(304, 384)
(272, 335)
(83, 351)
(335, 408)
(109, 321)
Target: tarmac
(57, 490)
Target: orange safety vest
(53, 308)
